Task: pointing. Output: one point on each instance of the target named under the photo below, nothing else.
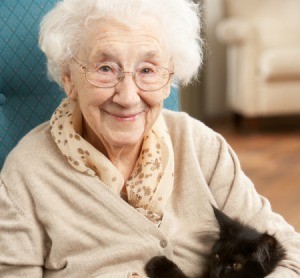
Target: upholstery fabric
(278, 64)
(263, 48)
(240, 7)
(27, 97)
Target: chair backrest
(27, 97)
(277, 21)
(241, 8)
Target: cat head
(242, 251)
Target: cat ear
(269, 252)
(226, 224)
(269, 240)
(267, 244)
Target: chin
(124, 140)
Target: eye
(104, 68)
(217, 256)
(146, 70)
(237, 266)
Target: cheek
(91, 114)
(155, 99)
(92, 97)
(154, 110)
(154, 103)
(90, 102)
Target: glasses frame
(121, 76)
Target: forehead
(111, 40)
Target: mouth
(130, 117)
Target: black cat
(240, 252)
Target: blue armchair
(27, 98)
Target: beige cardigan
(58, 222)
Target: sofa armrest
(235, 31)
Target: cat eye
(237, 266)
(217, 256)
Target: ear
(267, 244)
(168, 87)
(69, 86)
(269, 252)
(167, 90)
(270, 241)
(226, 224)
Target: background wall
(206, 99)
(215, 65)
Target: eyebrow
(100, 55)
(151, 54)
(109, 56)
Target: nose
(126, 91)
(216, 272)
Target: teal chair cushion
(27, 97)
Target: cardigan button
(163, 243)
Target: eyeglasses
(108, 75)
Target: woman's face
(118, 116)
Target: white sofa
(263, 56)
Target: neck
(123, 157)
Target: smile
(126, 117)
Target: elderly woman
(113, 179)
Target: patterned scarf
(151, 182)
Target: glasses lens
(103, 75)
(152, 78)
(106, 75)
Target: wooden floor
(272, 160)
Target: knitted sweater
(58, 222)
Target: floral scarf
(151, 182)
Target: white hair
(63, 27)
